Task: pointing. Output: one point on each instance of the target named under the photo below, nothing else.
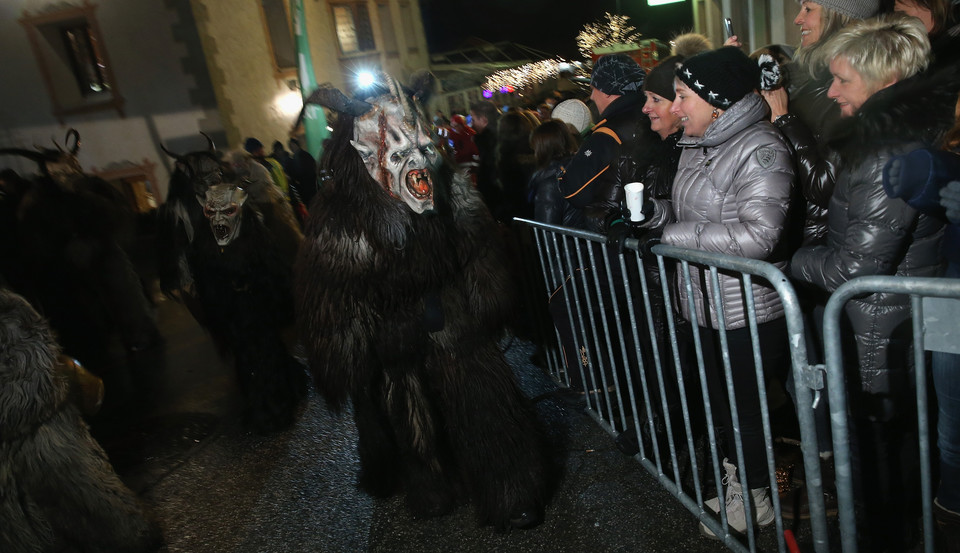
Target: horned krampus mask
(393, 140)
(222, 204)
(61, 165)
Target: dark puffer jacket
(617, 150)
(870, 233)
(548, 203)
(811, 115)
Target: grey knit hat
(857, 9)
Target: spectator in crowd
(658, 88)
(803, 113)
(484, 116)
(515, 165)
(939, 18)
(465, 152)
(731, 195)
(612, 153)
(553, 146)
(303, 170)
(886, 111)
(576, 114)
(689, 44)
(280, 154)
(929, 181)
(255, 148)
(802, 110)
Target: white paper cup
(634, 195)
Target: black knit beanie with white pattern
(721, 77)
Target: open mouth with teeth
(419, 183)
(221, 232)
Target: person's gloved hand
(906, 175)
(647, 210)
(617, 234)
(950, 200)
(646, 247)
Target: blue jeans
(946, 382)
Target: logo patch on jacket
(766, 157)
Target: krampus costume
(234, 272)
(402, 293)
(58, 491)
(70, 231)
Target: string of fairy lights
(528, 75)
(615, 30)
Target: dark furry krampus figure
(231, 263)
(71, 229)
(402, 294)
(58, 491)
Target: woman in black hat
(731, 195)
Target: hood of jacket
(745, 112)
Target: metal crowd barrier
(614, 314)
(928, 334)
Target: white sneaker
(733, 499)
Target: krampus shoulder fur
(58, 491)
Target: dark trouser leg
(774, 350)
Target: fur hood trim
(918, 109)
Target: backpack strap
(609, 132)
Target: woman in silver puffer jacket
(732, 195)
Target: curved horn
(76, 141)
(177, 157)
(333, 98)
(210, 145)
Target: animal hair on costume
(239, 291)
(400, 314)
(58, 491)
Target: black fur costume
(58, 491)
(242, 292)
(71, 229)
(401, 313)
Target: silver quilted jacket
(731, 195)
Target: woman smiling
(731, 195)
(888, 110)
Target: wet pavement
(170, 424)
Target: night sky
(547, 25)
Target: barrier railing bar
(681, 382)
(634, 330)
(923, 427)
(801, 368)
(750, 304)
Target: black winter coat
(616, 151)
(811, 115)
(870, 233)
(548, 203)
